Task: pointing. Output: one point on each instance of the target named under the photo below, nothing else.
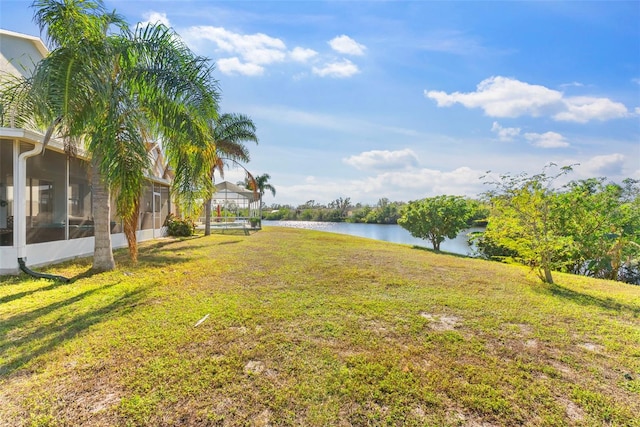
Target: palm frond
(69, 22)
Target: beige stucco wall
(19, 52)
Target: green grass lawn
(315, 329)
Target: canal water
(386, 232)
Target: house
(45, 195)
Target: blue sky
(406, 100)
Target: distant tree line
(338, 210)
(342, 210)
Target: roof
(227, 188)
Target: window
(80, 211)
(146, 207)
(165, 207)
(46, 194)
(116, 221)
(6, 192)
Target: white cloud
(419, 183)
(546, 140)
(233, 66)
(155, 18)
(249, 53)
(572, 84)
(543, 140)
(346, 45)
(609, 165)
(506, 97)
(377, 159)
(412, 184)
(300, 54)
(264, 56)
(582, 109)
(502, 97)
(505, 134)
(342, 69)
(256, 48)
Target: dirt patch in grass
(442, 322)
(254, 367)
(573, 411)
(589, 346)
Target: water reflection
(388, 233)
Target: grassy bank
(311, 328)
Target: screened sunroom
(46, 212)
(235, 207)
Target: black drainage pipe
(23, 267)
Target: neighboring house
(45, 198)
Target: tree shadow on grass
(19, 343)
(160, 244)
(84, 275)
(157, 253)
(586, 300)
(160, 260)
(13, 297)
(147, 256)
(230, 242)
(433, 251)
(153, 256)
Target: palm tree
(108, 87)
(261, 184)
(229, 132)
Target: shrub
(180, 227)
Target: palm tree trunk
(130, 228)
(207, 217)
(102, 252)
